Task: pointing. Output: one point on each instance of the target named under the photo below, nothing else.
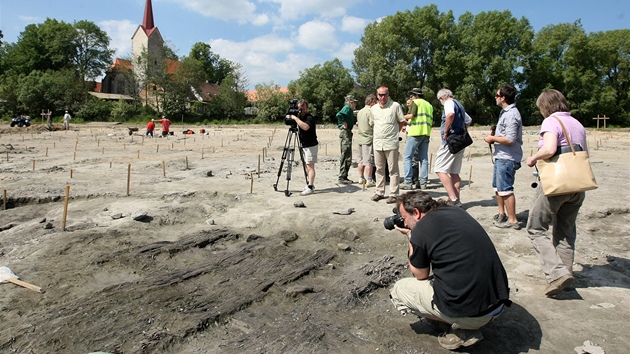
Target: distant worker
(166, 123)
(66, 121)
(150, 128)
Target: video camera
(394, 220)
(292, 110)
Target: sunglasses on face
(382, 94)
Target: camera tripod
(288, 154)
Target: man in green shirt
(345, 122)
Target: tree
(271, 104)
(92, 55)
(493, 45)
(215, 68)
(324, 87)
(230, 102)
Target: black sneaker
(345, 181)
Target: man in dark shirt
(308, 139)
(468, 286)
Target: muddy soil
(183, 245)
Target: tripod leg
(285, 150)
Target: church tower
(147, 47)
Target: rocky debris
(343, 246)
(294, 291)
(299, 204)
(48, 226)
(140, 215)
(117, 216)
(589, 348)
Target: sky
(275, 40)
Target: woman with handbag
(555, 251)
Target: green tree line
(476, 54)
(52, 62)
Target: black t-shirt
(308, 137)
(468, 276)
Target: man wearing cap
(66, 121)
(345, 122)
(419, 122)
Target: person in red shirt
(165, 125)
(150, 128)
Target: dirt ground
(183, 245)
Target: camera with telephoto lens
(292, 110)
(394, 220)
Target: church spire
(147, 22)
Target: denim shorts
(503, 176)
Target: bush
(95, 110)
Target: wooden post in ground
(604, 118)
(65, 209)
(128, 177)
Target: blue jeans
(504, 174)
(419, 146)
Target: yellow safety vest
(422, 122)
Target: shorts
(366, 155)
(310, 154)
(164, 133)
(445, 162)
(503, 176)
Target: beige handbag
(566, 173)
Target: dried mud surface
(183, 245)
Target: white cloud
(120, 33)
(317, 35)
(346, 52)
(353, 24)
(325, 8)
(242, 11)
(265, 59)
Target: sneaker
(457, 338)
(306, 191)
(508, 225)
(362, 180)
(391, 200)
(377, 197)
(370, 183)
(345, 181)
(557, 286)
(406, 186)
(421, 186)
(499, 218)
(454, 202)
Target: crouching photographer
(468, 286)
(297, 115)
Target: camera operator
(308, 141)
(468, 286)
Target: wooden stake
(46, 152)
(258, 166)
(138, 154)
(33, 165)
(202, 153)
(158, 148)
(186, 162)
(71, 173)
(103, 150)
(430, 162)
(110, 164)
(65, 209)
(251, 185)
(75, 156)
(128, 177)
(163, 168)
(4, 201)
(470, 176)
